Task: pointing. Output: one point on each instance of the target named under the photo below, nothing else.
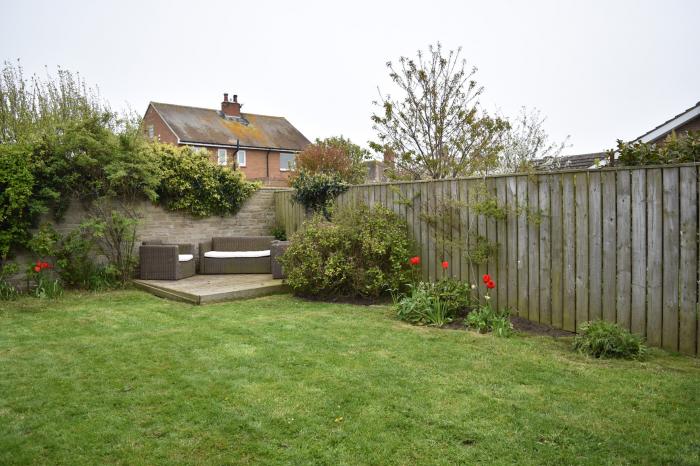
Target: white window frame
(151, 131)
(238, 158)
(221, 152)
(294, 158)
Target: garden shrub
(8, 291)
(434, 303)
(485, 319)
(334, 156)
(278, 232)
(114, 231)
(316, 191)
(674, 150)
(76, 263)
(191, 183)
(602, 339)
(363, 252)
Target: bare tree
(436, 128)
(527, 142)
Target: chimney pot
(231, 107)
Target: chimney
(389, 157)
(231, 108)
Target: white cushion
(229, 254)
(185, 257)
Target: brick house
(263, 147)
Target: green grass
(126, 378)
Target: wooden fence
(619, 244)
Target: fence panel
(617, 244)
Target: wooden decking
(203, 289)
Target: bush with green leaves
(279, 232)
(363, 252)
(485, 319)
(675, 149)
(434, 303)
(8, 290)
(77, 264)
(193, 184)
(316, 191)
(602, 339)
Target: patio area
(205, 289)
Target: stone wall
(256, 218)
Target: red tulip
(44, 265)
(487, 278)
(445, 264)
(490, 285)
(37, 268)
(415, 260)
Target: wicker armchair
(160, 261)
(277, 249)
(232, 264)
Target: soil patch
(520, 325)
(527, 326)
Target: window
(287, 161)
(240, 158)
(151, 131)
(223, 156)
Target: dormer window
(223, 156)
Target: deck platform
(204, 289)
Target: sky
(598, 70)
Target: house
(263, 147)
(681, 124)
(689, 120)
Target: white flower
(487, 297)
(473, 287)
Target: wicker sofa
(235, 254)
(160, 261)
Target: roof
(671, 124)
(208, 126)
(573, 162)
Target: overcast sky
(599, 70)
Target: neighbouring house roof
(193, 125)
(669, 125)
(573, 162)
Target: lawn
(127, 378)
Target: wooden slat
(425, 233)
(523, 253)
(581, 180)
(545, 281)
(639, 252)
(595, 247)
(687, 314)
(512, 232)
(654, 256)
(492, 265)
(455, 252)
(671, 240)
(533, 235)
(557, 251)
(474, 269)
(463, 197)
(609, 271)
(502, 238)
(444, 251)
(569, 251)
(624, 249)
(431, 200)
